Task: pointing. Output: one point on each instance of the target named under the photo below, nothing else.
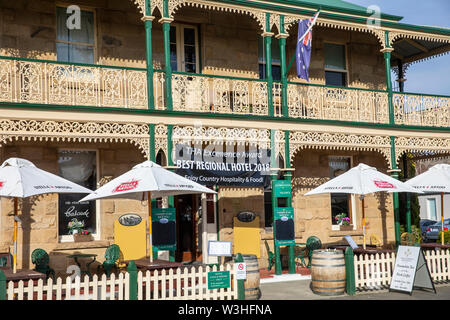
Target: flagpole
(149, 204)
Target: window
(340, 202)
(276, 66)
(431, 207)
(335, 65)
(80, 167)
(184, 48)
(76, 45)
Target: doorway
(187, 207)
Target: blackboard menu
(164, 236)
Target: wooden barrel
(251, 284)
(328, 272)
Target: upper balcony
(217, 65)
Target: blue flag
(304, 43)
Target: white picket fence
(181, 284)
(374, 271)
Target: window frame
(263, 61)
(97, 235)
(94, 46)
(345, 71)
(433, 199)
(351, 197)
(179, 31)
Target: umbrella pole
(15, 238)
(442, 217)
(149, 204)
(363, 224)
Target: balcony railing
(56, 83)
(421, 110)
(51, 82)
(337, 103)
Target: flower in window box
(342, 219)
(75, 226)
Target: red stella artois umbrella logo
(2, 183)
(126, 186)
(384, 184)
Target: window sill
(339, 233)
(82, 245)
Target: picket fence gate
(374, 271)
(181, 284)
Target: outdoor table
(77, 256)
(145, 264)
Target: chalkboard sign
(410, 271)
(284, 226)
(164, 235)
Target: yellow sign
(247, 237)
(130, 235)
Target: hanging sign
(284, 226)
(410, 271)
(282, 188)
(164, 228)
(246, 168)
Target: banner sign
(410, 270)
(214, 166)
(164, 231)
(219, 279)
(284, 226)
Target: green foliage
(414, 230)
(446, 237)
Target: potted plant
(343, 222)
(82, 236)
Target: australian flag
(304, 42)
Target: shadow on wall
(382, 200)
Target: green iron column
(276, 249)
(387, 64)
(394, 173)
(282, 42)
(268, 54)
(170, 199)
(394, 170)
(148, 21)
(166, 20)
(288, 176)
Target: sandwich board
(410, 271)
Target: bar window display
(80, 167)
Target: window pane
(83, 33)
(189, 54)
(173, 34)
(276, 73)
(339, 204)
(189, 36)
(432, 213)
(190, 67)
(74, 53)
(338, 165)
(62, 32)
(262, 71)
(275, 51)
(78, 167)
(335, 56)
(335, 79)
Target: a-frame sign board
(410, 271)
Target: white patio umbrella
(145, 181)
(434, 180)
(20, 178)
(362, 180)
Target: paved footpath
(299, 290)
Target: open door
(187, 217)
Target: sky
(430, 76)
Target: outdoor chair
(41, 259)
(312, 243)
(270, 255)
(407, 239)
(112, 255)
